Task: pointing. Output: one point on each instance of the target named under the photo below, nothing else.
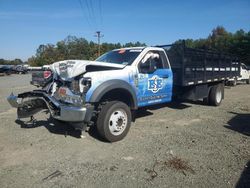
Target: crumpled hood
(69, 69)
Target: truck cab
(243, 77)
(244, 73)
(149, 74)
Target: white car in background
(244, 76)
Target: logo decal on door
(155, 84)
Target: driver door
(154, 79)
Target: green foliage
(11, 62)
(72, 48)
(237, 44)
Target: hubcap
(118, 122)
(218, 96)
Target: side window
(152, 61)
(158, 62)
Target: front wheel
(114, 121)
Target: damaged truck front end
(62, 95)
(30, 103)
(64, 87)
(83, 93)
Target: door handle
(165, 76)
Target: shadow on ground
(177, 105)
(244, 181)
(143, 112)
(53, 126)
(59, 128)
(240, 123)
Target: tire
(114, 121)
(248, 81)
(206, 100)
(216, 95)
(234, 83)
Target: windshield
(123, 56)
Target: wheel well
(120, 95)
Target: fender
(109, 85)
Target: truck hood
(69, 69)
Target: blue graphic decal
(150, 88)
(155, 84)
(155, 88)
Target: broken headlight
(66, 95)
(73, 92)
(75, 87)
(85, 85)
(80, 86)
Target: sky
(25, 24)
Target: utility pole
(99, 36)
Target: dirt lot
(179, 145)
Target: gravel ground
(178, 145)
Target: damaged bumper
(29, 103)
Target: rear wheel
(216, 95)
(248, 81)
(114, 121)
(234, 82)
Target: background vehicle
(243, 77)
(20, 69)
(6, 69)
(105, 93)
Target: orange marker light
(62, 91)
(122, 51)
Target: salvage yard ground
(179, 145)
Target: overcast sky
(25, 24)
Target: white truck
(107, 92)
(244, 76)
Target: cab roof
(139, 48)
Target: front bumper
(57, 110)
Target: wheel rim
(118, 122)
(218, 96)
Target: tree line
(73, 48)
(11, 62)
(237, 44)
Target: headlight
(64, 94)
(75, 86)
(80, 86)
(85, 84)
